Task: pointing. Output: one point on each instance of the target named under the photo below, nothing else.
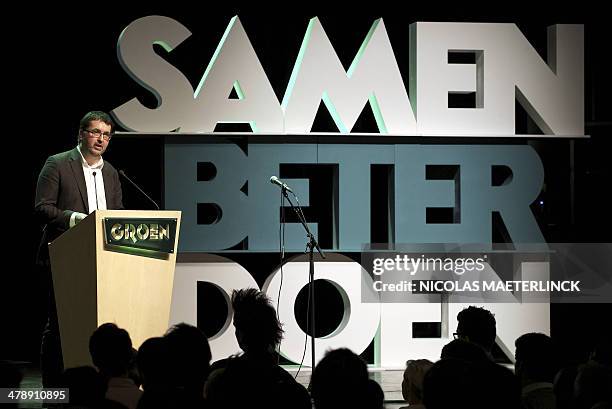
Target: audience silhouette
(111, 352)
(535, 367)
(468, 360)
(87, 389)
(477, 325)
(412, 383)
(254, 377)
(175, 371)
(341, 379)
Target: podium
(96, 281)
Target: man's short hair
(110, 348)
(536, 356)
(96, 116)
(478, 325)
(340, 379)
(255, 318)
(412, 385)
(189, 355)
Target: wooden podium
(95, 283)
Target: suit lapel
(108, 180)
(77, 171)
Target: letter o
(359, 324)
(142, 232)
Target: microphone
(122, 173)
(277, 181)
(96, 190)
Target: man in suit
(71, 185)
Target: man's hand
(76, 217)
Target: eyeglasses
(97, 133)
(456, 335)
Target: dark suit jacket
(61, 191)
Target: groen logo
(141, 232)
(148, 234)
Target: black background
(60, 62)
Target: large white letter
(173, 91)
(226, 275)
(373, 76)
(235, 64)
(506, 67)
(359, 323)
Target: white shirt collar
(98, 165)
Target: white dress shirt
(96, 197)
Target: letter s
(171, 88)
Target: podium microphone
(122, 173)
(277, 181)
(96, 190)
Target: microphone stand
(310, 246)
(122, 173)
